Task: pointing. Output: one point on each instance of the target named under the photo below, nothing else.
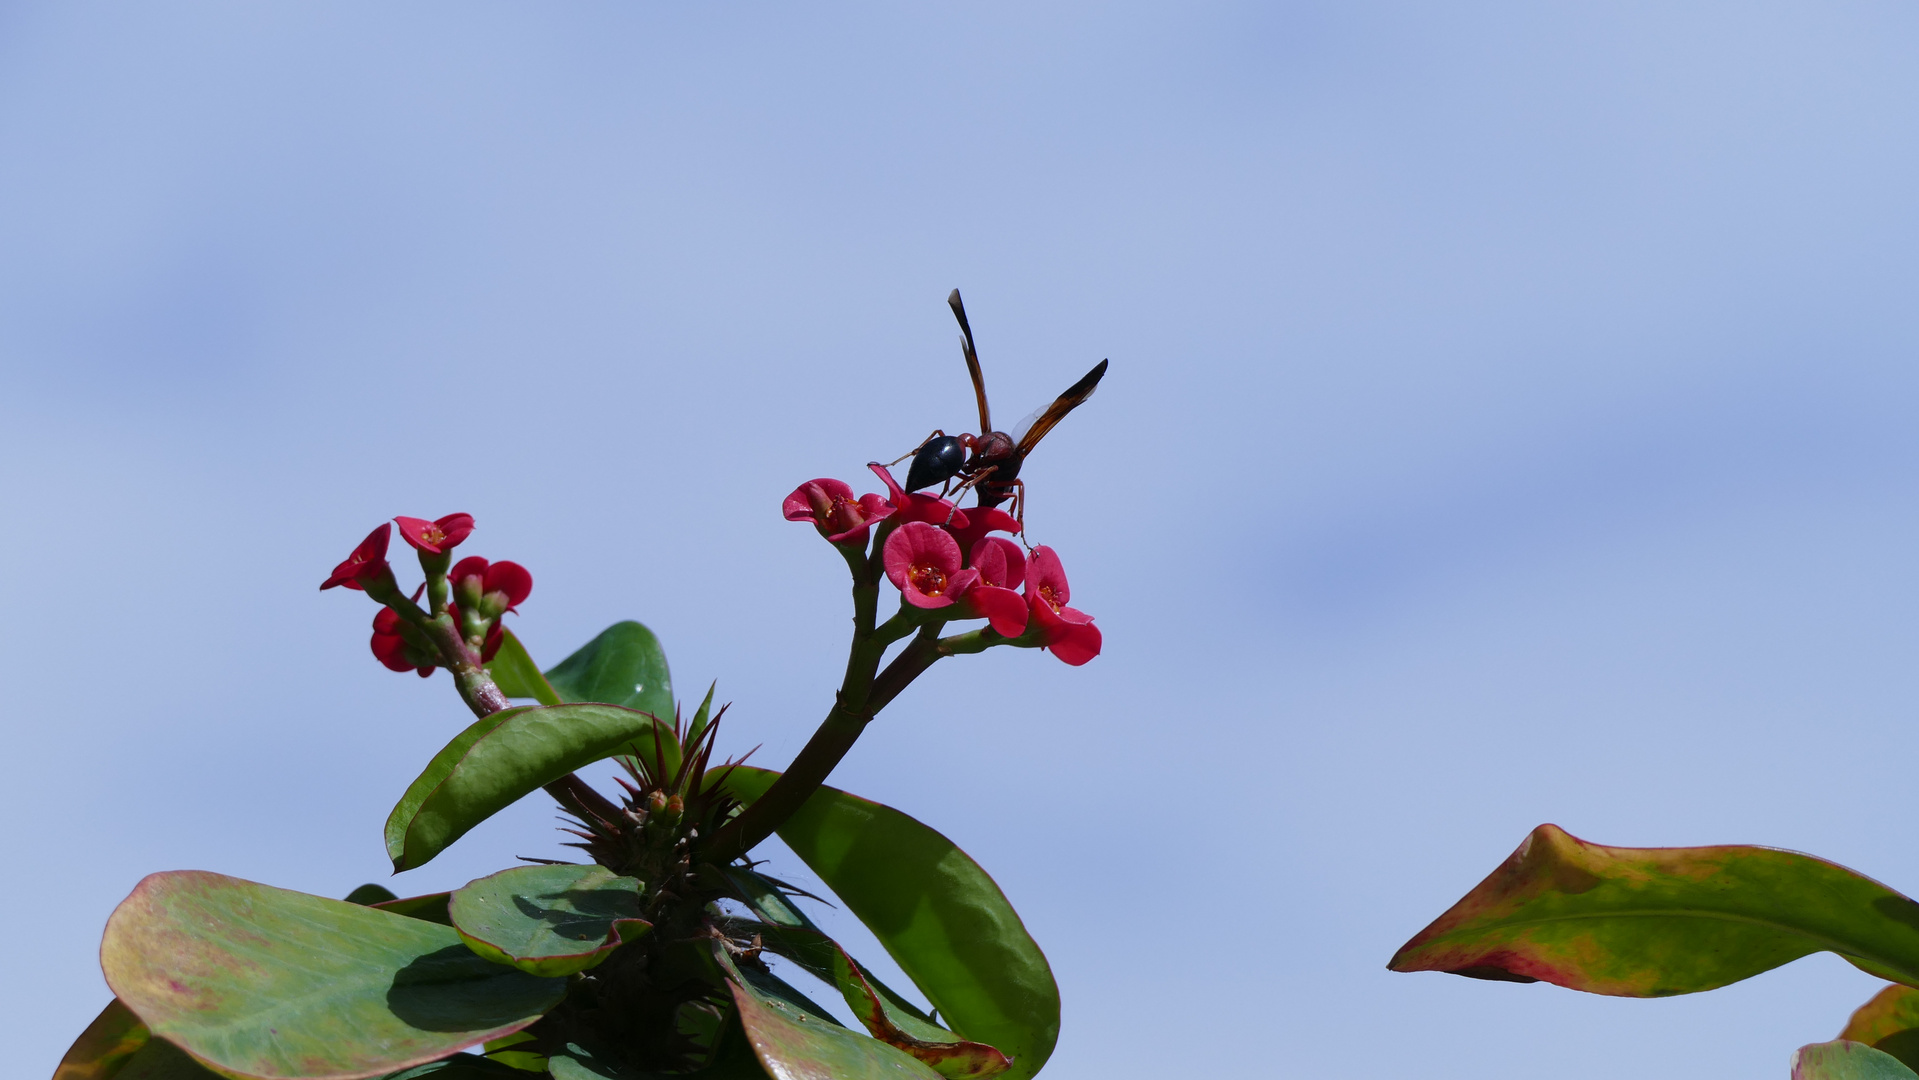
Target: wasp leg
(937, 434)
(967, 483)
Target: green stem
(476, 685)
(860, 697)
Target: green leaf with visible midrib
(549, 920)
(1650, 922)
(262, 982)
(501, 758)
(937, 913)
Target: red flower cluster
(940, 556)
(489, 588)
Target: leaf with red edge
(1649, 922)
(255, 981)
(549, 920)
(937, 913)
(794, 1041)
(786, 931)
(104, 1047)
(1889, 1022)
(954, 1058)
(1842, 1060)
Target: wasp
(989, 463)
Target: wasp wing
(972, 360)
(1034, 428)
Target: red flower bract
(509, 579)
(390, 648)
(1070, 634)
(829, 504)
(471, 566)
(999, 562)
(1001, 565)
(436, 537)
(924, 563)
(367, 561)
(979, 521)
(912, 506)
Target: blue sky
(1509, 421)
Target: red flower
(471, 566)
(912, 506)
(509, 580)
(831, 507)
(1069, 633)
(390, 647)
(436, 537)
(367, 561)
(924, 563)
(981, 520)
(1001, 564)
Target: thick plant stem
(860, 697)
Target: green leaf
(431, 907)
(763, 895)
(887, 1016)
(549, 920)
(733, 1061)
(702, 717)
(517, 676)
(460, 1067)
(796, 1041)
(1648, 922)
(1889, 1022)
(1843, 1060)
(502, 757)
(623, 666)
(370, 895)
(161, 1060)
(938, 914)
(100, 1052)
(261, 982)
(933, 1045)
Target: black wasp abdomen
(937, 460)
